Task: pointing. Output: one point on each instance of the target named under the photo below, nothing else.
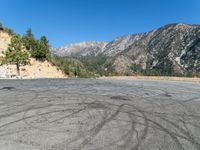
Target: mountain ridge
(80, 49)
(173, 48)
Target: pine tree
(43, 40)
(29, 33)
(40, 50)
(15, 54)
(1, 26)
(37, 52)
(29, 40)
(45, 46)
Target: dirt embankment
(36, 69)
(184, 79)
(4, 41)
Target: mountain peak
(180, 26)
(80, 49)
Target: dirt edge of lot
(165, 78)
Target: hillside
(36, 69)
(4, 41)
(173, 49)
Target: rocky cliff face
(80, 49)
(171, 48)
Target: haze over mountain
(171, 48)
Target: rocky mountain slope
(171, 49)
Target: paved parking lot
(83, 114)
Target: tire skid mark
(189, 137)
(94, 131)
(101, 113)
(167, 131)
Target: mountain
(171, 49)
(80, 49)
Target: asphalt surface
(83, 114)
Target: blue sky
(72, 21)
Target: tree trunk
(18, 70)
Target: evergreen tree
(29, 40)
(37, 52)
(78, 70)
(15, 54)
(43, 40)
(45, 46)
(40, 50)
(29, 33)
(1, 25)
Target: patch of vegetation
(7, 30)
(1, 25)
(94, 64)
(137, 70)
(39, 49)
(71, 67)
